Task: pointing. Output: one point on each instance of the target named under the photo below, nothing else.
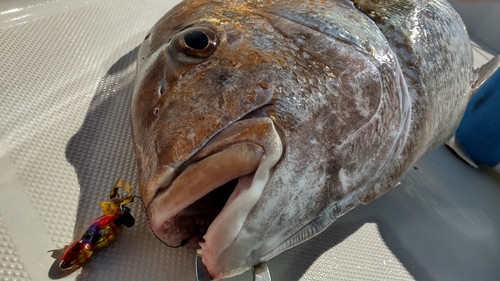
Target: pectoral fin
(485, 71)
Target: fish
(102, 231)
(257, 123)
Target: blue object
(479, 130)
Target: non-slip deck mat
(65, 87)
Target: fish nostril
(196, 39)
(161, 88)
(157, 110)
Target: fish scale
(420, 54)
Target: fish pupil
(196, 40)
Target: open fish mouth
(214, 191)
(193, 200)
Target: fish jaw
(181, 212)
(230, 222)
(196, 182)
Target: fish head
(249, 129)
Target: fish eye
(196, 43)
(196, 40)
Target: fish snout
(205, 200)
(173, 215)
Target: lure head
(76, 255)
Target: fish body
(257, 123)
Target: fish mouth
(182, 213)
(210, 198)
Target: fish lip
(238, 133)
(178, 203)
(173, 170)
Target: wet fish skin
(357, 90)
(438, 68)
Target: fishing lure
(103, 230)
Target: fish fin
(457, 148)
(485, 71)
